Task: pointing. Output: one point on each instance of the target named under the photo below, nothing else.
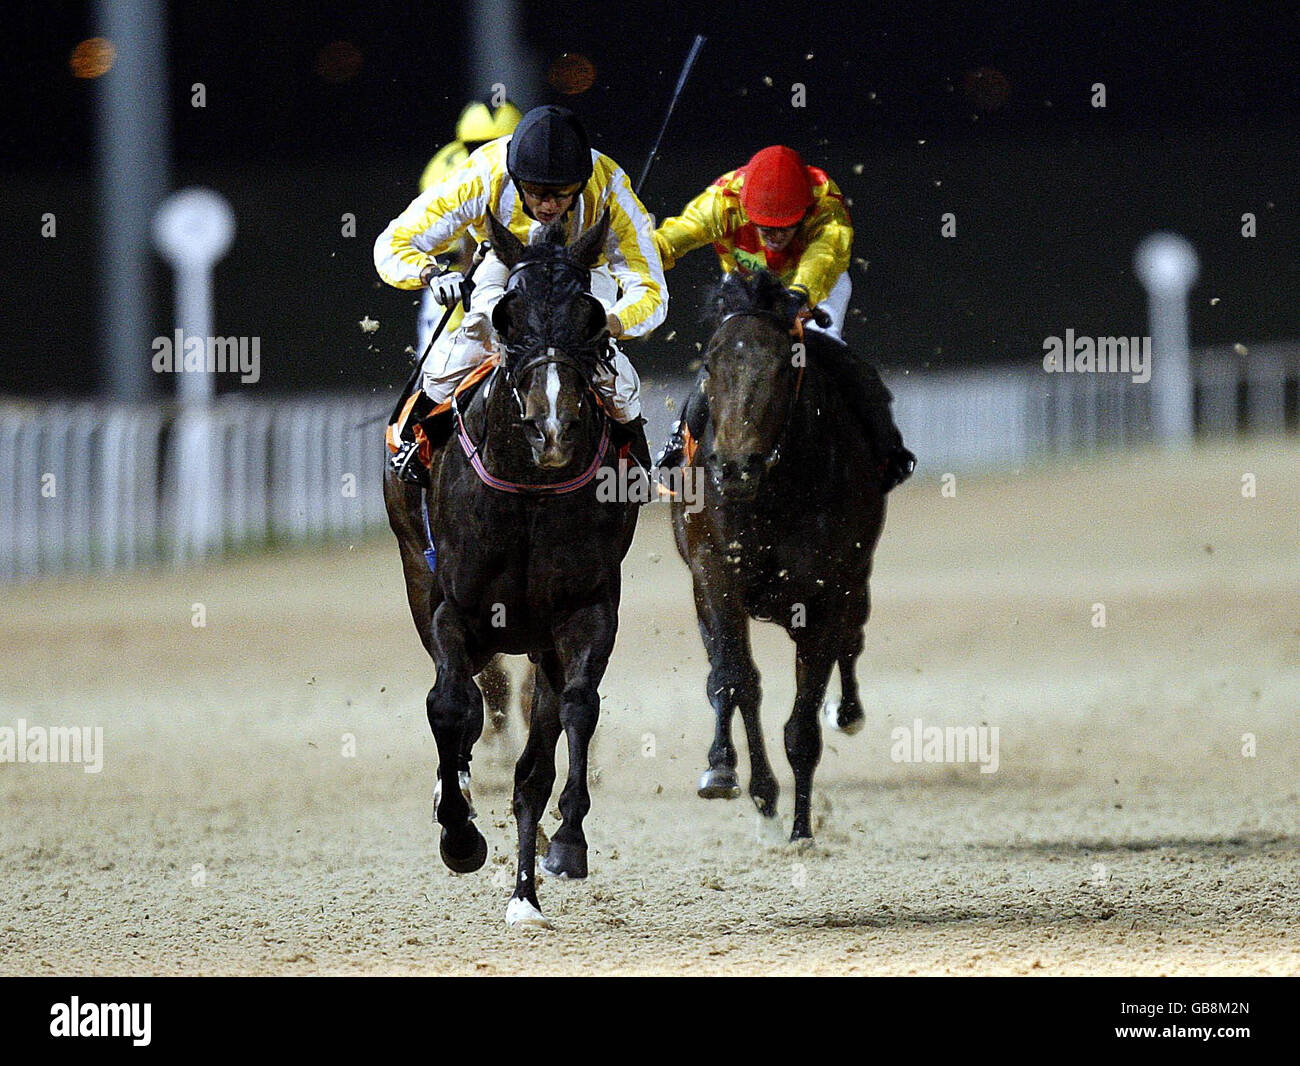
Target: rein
(489, 479)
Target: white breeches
(455, 354)
(836, 305)
(430, 315)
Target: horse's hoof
(464, 861)
(565, 861)
(802, 841)
(463, 778)
(522, 914)
(719, 783)
(848, 720)
(768, 831)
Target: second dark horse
(528, 559)
(793, 508)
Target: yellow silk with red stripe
(816, 257)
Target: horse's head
(751, 374)
(553, 331)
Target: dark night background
(1051, 195)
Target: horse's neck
(811, 450)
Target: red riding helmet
(776, 191)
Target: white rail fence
(995, 418)
(90, 488)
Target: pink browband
(471, 453)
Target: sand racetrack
(1124, 831)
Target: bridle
(519, 362)
(773, 455)
(582, 359)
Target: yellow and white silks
(437, 219)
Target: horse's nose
(555, 454)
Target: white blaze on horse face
(552, 404)
(553, 451)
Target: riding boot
(695, 413)
(406, 462)
(407, 465)
(870, 401)
(633, 435)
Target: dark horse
(528, 559)
(793, 509)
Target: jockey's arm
(634, 261)
(829, 235)
(431, 226)
(704, 220)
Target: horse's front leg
(452, 710)
(583, 643)
(817, 646)
(534, 778)
(733, 685)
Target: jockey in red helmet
(778, 214)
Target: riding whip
(691, 56)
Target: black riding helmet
(549, 147)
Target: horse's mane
(759, 291)
(548, 293)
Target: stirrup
(407, 466)
(673, 453)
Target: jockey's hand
(614, 325)
(796, 303)
(446, 287)
(798, 297)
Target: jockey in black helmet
(544, 171)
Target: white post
(192, 230)
(498, 52)
(1167, 266)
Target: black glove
(798, 297)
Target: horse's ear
(769, 293)
(501, 315)
(508, 247)
(587, 248)
(730, 294)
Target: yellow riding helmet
(478, 122)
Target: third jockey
(478, 124)
(544, 171)
(777, 214)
